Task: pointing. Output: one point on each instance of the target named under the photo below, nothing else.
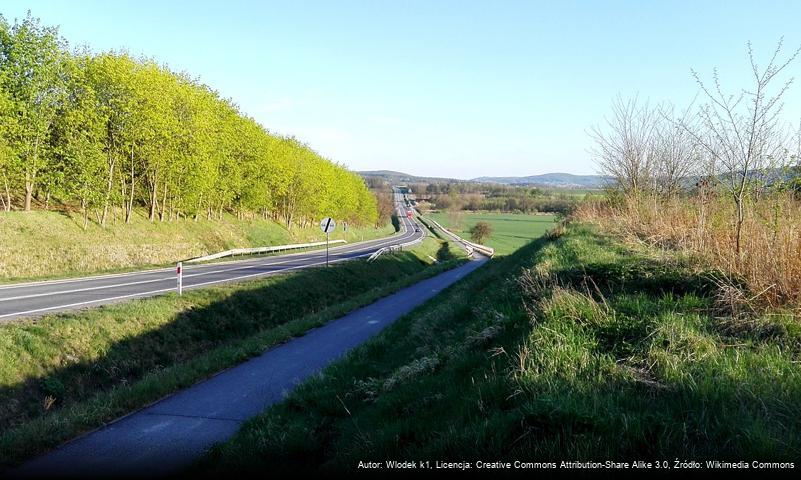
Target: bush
(480, 231)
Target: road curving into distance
(39, 298)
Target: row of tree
(108, 132)
(494, 197)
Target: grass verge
(65, 374)
(42, 244)
(572, 348)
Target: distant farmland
(510, 230)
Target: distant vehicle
(408, 214)
(417, 229)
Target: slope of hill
(400, 177)
(558, 180)
(47, 244)
(564, 180)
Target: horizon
(479, 177)
(446, 90)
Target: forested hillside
(106, 133)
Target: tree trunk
(30, 177)
(738, 200)
(171, 209)
(85, 213)
(129, 206)
(28, 195)
(109, 184)
(199, 204)
(8, 195)
(153, 201)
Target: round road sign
(327, 224)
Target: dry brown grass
(770, 262)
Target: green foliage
(498, 198)
(91, 367)
(108, 130)
(480, 231)
(33, 71)
(547, 355)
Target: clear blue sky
(446, 88)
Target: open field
(64, 374)
(574, 347)
(51, 244)
(510, 230)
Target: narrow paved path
(172, 433)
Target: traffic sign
(327, 225)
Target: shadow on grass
(444, 253)
(492, 391)
(213, 318)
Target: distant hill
(400, 177)
(554, 180)
(557, 180)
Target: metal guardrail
(469, 246)
(251, 251)
(431, 224)
(393, 248)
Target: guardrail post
(180, 272)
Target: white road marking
(345, 249)
(164, 269)
(80, 279)
(162, 279)
(153, 292)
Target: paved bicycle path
(170, 434)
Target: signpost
(327, 225)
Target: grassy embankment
(61, 375)
(52, 244)
(510, 231)
(571, 348)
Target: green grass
(41, 244)
(571, 348)
(510, 230)
(61, 375)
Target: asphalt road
(169, 435)
(38, 298)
